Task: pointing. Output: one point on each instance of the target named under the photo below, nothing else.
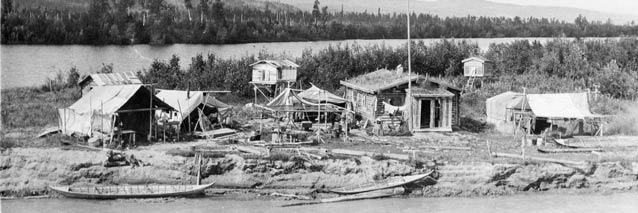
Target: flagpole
(410, 124)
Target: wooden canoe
(132, 191)
(366, 195)
(382, 184)
(598, 142)
(570, 150)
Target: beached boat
(598, 141)
(569, 150)
(132, 191)
(382, 184)
(366, 195)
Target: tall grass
(625, 121)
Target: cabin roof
(277, 63)
(443, 83)
(430, 92)
(379, 80)
(105, 79)
(476, 58)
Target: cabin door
(431, 114)
(425, 114)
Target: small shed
(270, 72)
(382, 93)
(477, 67)
(106, 79)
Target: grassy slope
(27, 111)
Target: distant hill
(84, 4)
(463, 8)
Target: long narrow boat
(366, 195)
(382, 184)
(569, 150)
(598, 141)
(132, 191)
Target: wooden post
(261, 122)
(114, 120)
(409, 94)
(179, 125)
(528, 127)
(325, 119)
(199, 168)
(432, 104)
(489, 148)
(150, 119)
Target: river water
(31, 65)
(547, 203)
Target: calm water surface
(31, 65)
(624, 202)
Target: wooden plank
(432, 113)
(450, 112)
(370, 154)
(508, 155)
(252, 150)
(446, 147)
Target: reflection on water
(30, 65)
(623, 202)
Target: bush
(624, 122)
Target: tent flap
(564, 105)
(186, 102)
(315, 94)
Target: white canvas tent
(317, 95)
(289, 101)
(561, 105)
(500, 108)
(186, 102)
(104, 106)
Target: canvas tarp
(560, 105)
(95, 110)
(287, 98)
(288, 101)
(317, 95)
(186, 102)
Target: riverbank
(26, 171)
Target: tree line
(216, 22)
(559, 65)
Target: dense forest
(214, 22)
(557, 66)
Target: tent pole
(528, 127)
(114, 120)
(150, 117)
(179, 126)
(409, 93)
(101, 113)
(325, 118)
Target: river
(31, 65)
(621, 202)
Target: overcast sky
(610, 6)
